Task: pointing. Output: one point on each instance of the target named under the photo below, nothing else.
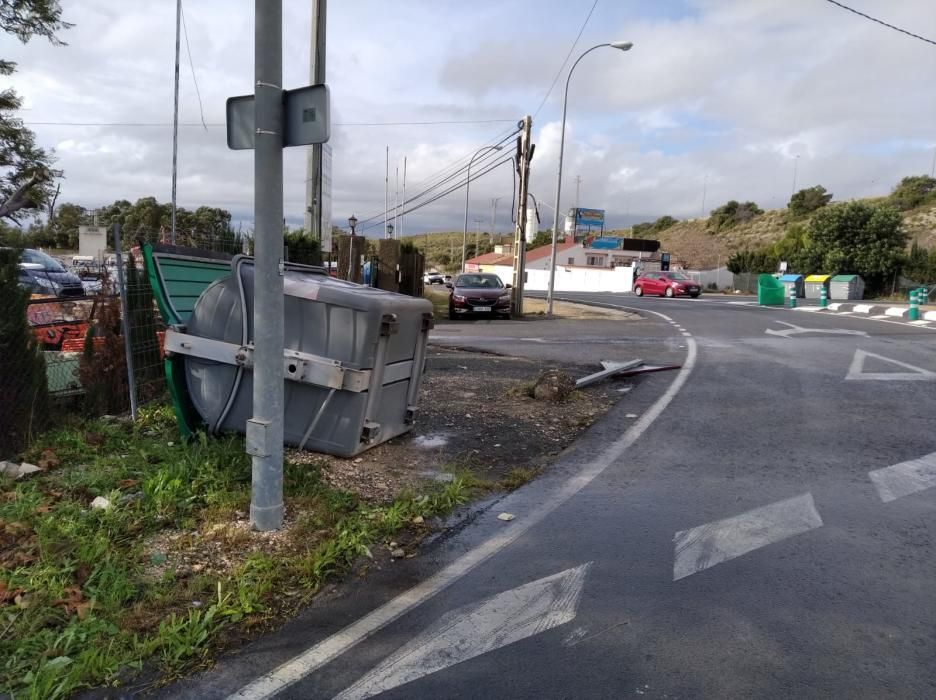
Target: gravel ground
(474, 413)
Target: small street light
(352, 222)
(621, 46)
(467, 186)
(389, 230)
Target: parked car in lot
(433, 278)
(479, 293)
(668, 284)
(42, 274)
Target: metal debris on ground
(612, 368)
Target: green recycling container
(770, 291)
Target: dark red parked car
(479, 293)
(669, 284)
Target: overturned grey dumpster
(353, 359)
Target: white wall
(583, 279)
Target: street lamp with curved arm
(484, 149)
(621, 46)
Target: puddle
(431, 441)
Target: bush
(752, 261)
(103, 365)
(809, 200)
(733, 213)
(913, 191)
(855, 238)
(302, 248)
(23, 387)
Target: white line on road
(317, 656)
(705, 546)
(477, 628)
(905, 478)
(799, 330)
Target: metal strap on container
(298, 366)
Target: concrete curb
(876, 310)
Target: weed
(517, 477)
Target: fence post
(125, 322)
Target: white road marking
(920, 322)
(914, 373)
(271, 683)
(895, 311)
(880, 317)
(713, 543)
(905, 478)
(476, 629)
(798, 330)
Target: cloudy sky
(725, 96)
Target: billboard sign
(606, 243)
(92, 240)
(592, 218)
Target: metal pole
(555, 231)
(125, 323)
(175, 123)
(386, 196)
(704, 183)
(493, 219)
(313, 202)
(403, 201)
(396, 204)
(795, 163)
(467, 189)
(265, 428)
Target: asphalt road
(760, 524)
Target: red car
(479, 293)
(668, 284)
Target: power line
(482, 173)
(188, 50)
(222, 124)
(566, 60)
(437, 180)
(881, 22)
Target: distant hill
(690, 241)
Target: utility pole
(704, 184)
(525, 153)
(175, 122)
(313, 219)
(578, 184)
(396, 203)
(265, 428)
(477, 239)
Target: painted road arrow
(476, 629)
(799, 330)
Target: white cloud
(734, 90)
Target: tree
(809, 200)
(664, 222)
(913, 191)
(641, 230)
(302, 248)
(856, 238)
(22, 367)
(25, 168)
(732, 213)
(920, 265)
(751, 261)
(540, 239)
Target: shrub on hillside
(732, 213)
(809, 200)
(914, 191)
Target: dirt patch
(477, 413)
